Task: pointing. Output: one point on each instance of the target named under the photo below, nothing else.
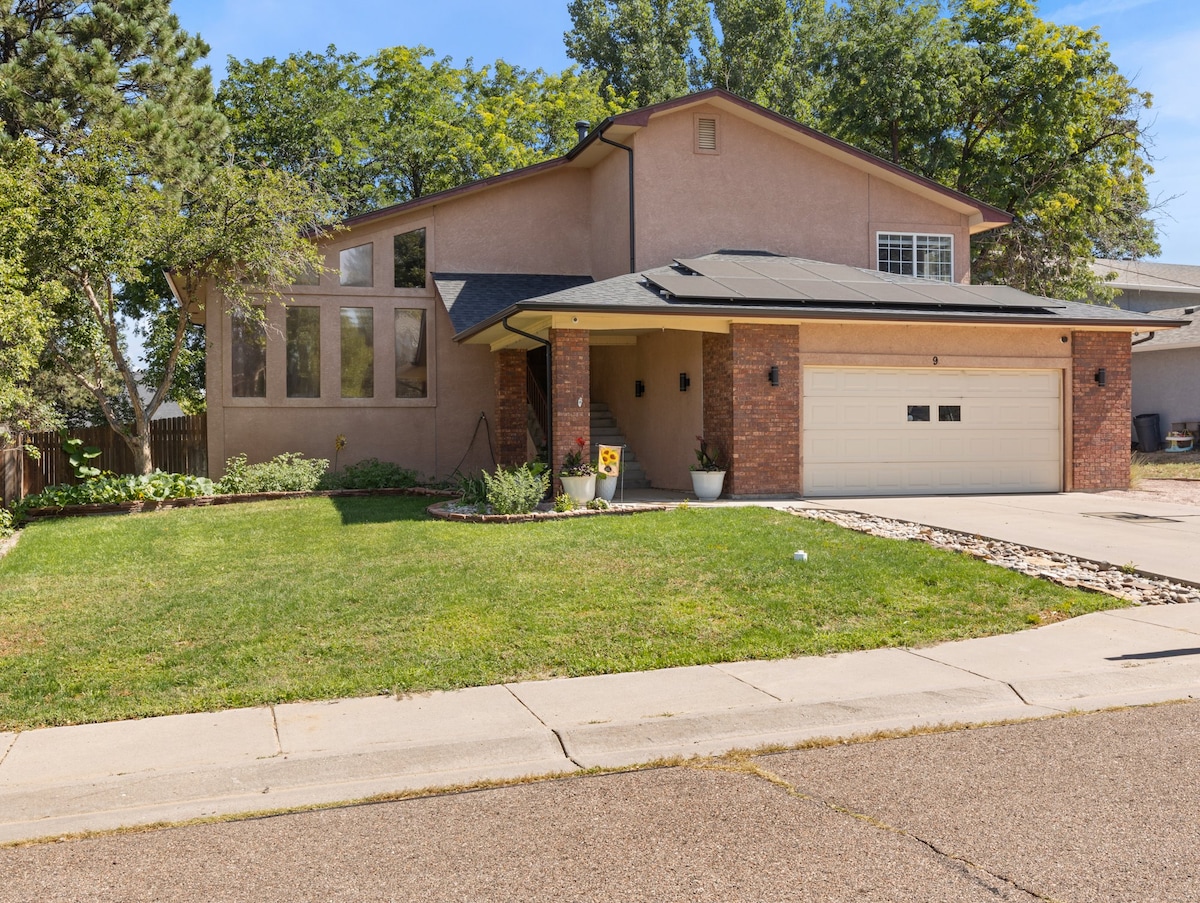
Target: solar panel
(795, 281)
(690, 286)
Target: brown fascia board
(725, 313)
(989, 217)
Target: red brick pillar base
(511, 425)
(1100, 414)
(756, 424)
(571, 408)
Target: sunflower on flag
(609, 460)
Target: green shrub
(289, 472)
(371, 473)
(111, 490)
(564, 502)
(8, 523)
(517, 490)
(598, 504)
(472, 490)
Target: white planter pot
(606, 488)
(582, 489)
(707, 484)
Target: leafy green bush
(564, 502)
(472, 490)
(371, 473)
(8, 523)
(112, 490)
(598, 504)
(517, 490)
(289, 472)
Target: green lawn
(206, 608)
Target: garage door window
(949, 413)
(918, 413)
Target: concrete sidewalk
(94, 777)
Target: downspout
(1139, 341)
(632, 218)
(549, 388)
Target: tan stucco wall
(428, 435)
(540, 225)
(764, 191)
(661, 426)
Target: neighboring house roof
(981, 216)
(1187, 336)
(1136, 275)
(790, 287)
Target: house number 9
(935, 360)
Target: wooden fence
(177, 445)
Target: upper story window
(249, 354)
(303, 338)
(928, 256)
(409, 253)
(357, 265)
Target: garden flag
(610, 460)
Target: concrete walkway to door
(1156, 537)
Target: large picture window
(927, 256)
(304, 352)
(358, 352)
(409, 254)
(249, 353)
(412, 376)
(357, 266)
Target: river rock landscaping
(1122, 581)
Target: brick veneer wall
(511, 407)
(756, 424)
(1100, 414)
(571, 371)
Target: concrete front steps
(606, 432)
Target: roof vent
(582, 127)
(706, 134)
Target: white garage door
(909, 431)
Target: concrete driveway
(1156, 537)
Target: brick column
(508, 368)
(755, 424)
(1100, 415)
(571, 405)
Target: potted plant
(708, 473)
(577, 476)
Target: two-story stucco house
(701, 266)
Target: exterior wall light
(639, 388)
(684, 382)
(1101, 377)
(773, 375)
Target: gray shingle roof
(917, 299)
(472, 298)
(1148, 274)
(1167, 339)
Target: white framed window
(908, 254)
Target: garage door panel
(858, 439)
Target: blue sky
(1154, 42)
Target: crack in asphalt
(972, 870)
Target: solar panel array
(785, 280)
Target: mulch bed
(439, 511)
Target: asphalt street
(1099, 807)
